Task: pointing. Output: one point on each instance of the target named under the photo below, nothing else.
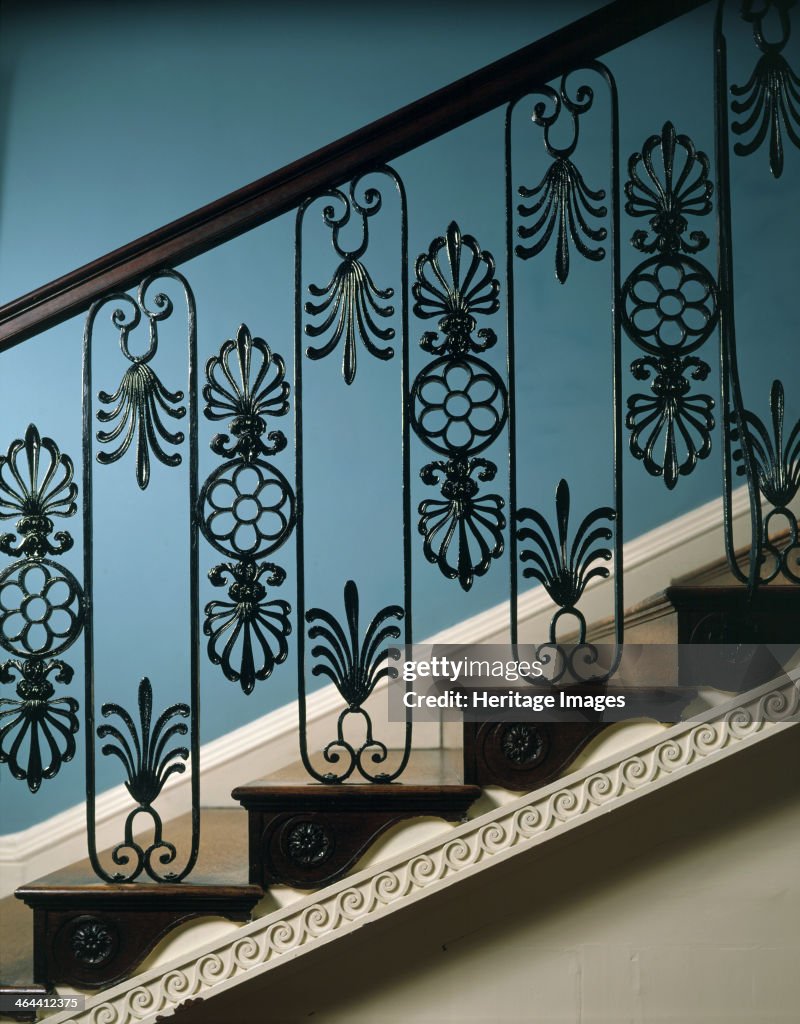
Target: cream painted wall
(681, 909)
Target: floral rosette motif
(41, 610)
(459, 407)
(670, 306)
(247, 510)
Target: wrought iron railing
(458, 409)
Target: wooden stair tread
(428, 771)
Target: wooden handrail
(584, 40)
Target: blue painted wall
(117, 118)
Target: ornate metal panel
(580, 216)
(148, 752)
(350, 314)
(669, 306)
(459, 407)
(42, 610)
(247, 510)
(769, 460)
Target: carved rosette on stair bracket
(41, 610)
(459, 407)
(669, 306)
(247, 510)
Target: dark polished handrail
(383, 140)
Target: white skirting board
(652, 561)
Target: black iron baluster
(566, 205)
(350, 304)
(41, 610)
(147, 752)
(247, 634)
(771, 466)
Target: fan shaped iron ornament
(45, 721)
(564, 569)
(149, 756)
(669, 306)
(141, 401)
(351, 304)
(769, 102)
(671, 414)
(562, 204)
(35, 493)
(355, 666)
(258, 629)
(459, 406)
(247, 510)
(41, 610)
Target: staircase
(379, 813)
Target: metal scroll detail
(149, 756)
(583, 220)
(355, 666)
(41, 610)
(565, 568)
(669, 306)
(141, 401)
(147, 750)
(459, 406)
(247, 510)
(771, 96)
(353, 314)
(777, 470)
(351, 305)
(562, 203)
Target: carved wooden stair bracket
(740, 627)
(522, 756)
(95, 935)
(308, 834)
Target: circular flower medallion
(248, 509)
(669, 302)
(92, 942)
(523, 744)
(459, 405)
(41, 608)
(308, 844)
